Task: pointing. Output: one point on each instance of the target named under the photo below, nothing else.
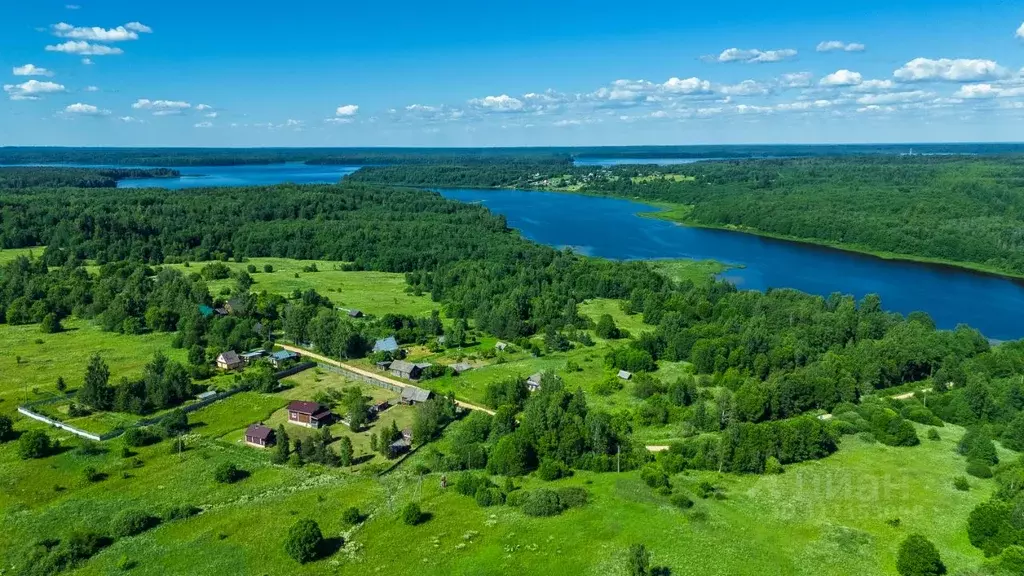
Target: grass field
(373, 292)
(32, 361)
(8, 254)
(821, 518)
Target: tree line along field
(779, 439)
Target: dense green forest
(17, 177)
(960, 209)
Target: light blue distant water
(246, 175)
(611, 228)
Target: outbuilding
(412, 395)
(308, 414)
(259, 435)
(625, 375)
(281, 357)
(403, 369)
(533, 382)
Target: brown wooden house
(259, 436)
(309, 414)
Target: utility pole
(618, 458)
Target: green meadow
(372, 292)
(837, 516)
(8, 254)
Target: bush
(608, 386)
(961, 484)
(516, 499)
(92, 474)
(351, 516)
(542, 502)
(680, 500)
(35, 444)
(706, 489)
(228, 473)
(268, 268)
(489, 497)
(304, 541)
(180, 512)
(138, 437)
(933, 434)
(552, 470)
(6, 428)
(979, 469)
(412, 514)
(132, 522)
(50, 324)
(573, 496)
(977, 445)
(654, 476)
(918, 557)
(772, 466)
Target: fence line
(152, 420)
(59, 424)
(360, 377)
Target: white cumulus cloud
(204, 125)
(797, 79)
(691, 85)
(346, 110)
(502, 103)
(202, 107)
(752, 56)
(837, 45)
(94, 33)
(85, 110)
(875, 86)
(950, 70)
(31, 70)
(138, 27)
(842, 78)
(895, 97)
(161, 107)
(32, 89)
(745, 88)
(1020, 32)
(92, 88)
(977, 91)
(84, 48)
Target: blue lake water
(246, 175)
(611, 228)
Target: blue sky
(530, 73)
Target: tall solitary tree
(96, 391)
(918, 557)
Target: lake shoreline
(663, 207)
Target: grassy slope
(372, 292)
(819, 518)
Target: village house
(625, 375)
(399, 447)
(229, 360)
(355, 313)
(259, 435)
(383, 365)
(308, 414)
(500, 346)
(235, 306)
(412, 395)
(281, 357)
(403, 369)
(388, 344)
(533, 382)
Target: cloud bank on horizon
(743, 92)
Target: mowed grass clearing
(376, 293)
